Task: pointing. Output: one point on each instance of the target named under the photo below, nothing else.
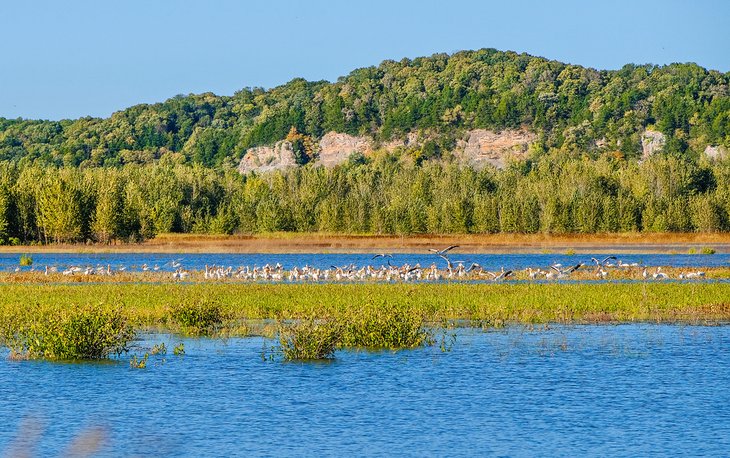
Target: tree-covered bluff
(171, 166)
(571, 109)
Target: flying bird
(382, 255)
(444, 251)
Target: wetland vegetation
(312, 320)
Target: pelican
(659, 275)
(382, 255)
(602, 262)
(448, 262)
(444, 251)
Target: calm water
(134, 261)
(630, 390)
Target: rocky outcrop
(267, 158)
(335, 148)
(485, 147)
(715, 152)
(651, 142)
(479, 148)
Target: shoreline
(670, 243)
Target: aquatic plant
(179, 349)
(91, 332)
(139, 363)
(25, 260)
(387, 324)
(707, 250)
(159, 349)
(201, 317)
(309, 339)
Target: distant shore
(671, 243)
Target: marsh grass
(61, 321)
(25, 260)
(309, 339)
(90, 332)
(199, 318)
(385, 325)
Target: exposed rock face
(335, 148)
(715, 152)
(484, 147)
(267, 158)
(651, 142)
(480, 147)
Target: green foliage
(388, 325)
(573, 108)
(179, 349)
(159, 349)
(198, 318)
(91, 332)
(139, 363)
(25, 260)
(168, 167)
(309, 339)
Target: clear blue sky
(65, 59)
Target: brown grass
(338, 243)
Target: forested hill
(570, 108)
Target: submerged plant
(91, 332)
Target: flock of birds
(453, 270)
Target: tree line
(382, 194)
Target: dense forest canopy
(570, 107)
(170, 167)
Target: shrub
(309, 339)
(201, 318)
(26, 260)
(85, 333)
(385, 326)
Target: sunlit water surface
(628, 390)
(167, 262)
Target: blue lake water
(627, 390)
(134, 261)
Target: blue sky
(92, 57)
